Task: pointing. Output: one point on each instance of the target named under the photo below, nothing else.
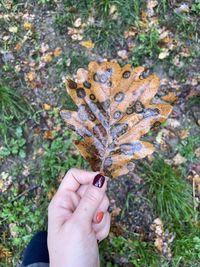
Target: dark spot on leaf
(130, 165)
(87, 84)
(108, 162)
(71, 84)
(144, 74)
(130, 110)
(148, 112)
(109, 84)
(130, 148)
(106, 104)
(126, 74)
(80, 93)
(109, 71)
(100, 78)
(92, 117)
(156, 124)
(118, 129)
(139, 107)
(119, 97)
(117, 115)
(92, 97)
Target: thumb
(91, 199)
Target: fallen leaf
(28, 26)
(30, 76)
(170, 97)
(4, 252)
(113, 9)
(178, 159)
(13, 29)
(87, 44)
(48, 135)
(47, 57)
(123, 54)
(77, 23)
(18, 46)
(131, 32)
(197, 152)
(114, 111)
(184, 133)
(163, 54)
(46, 106)
(57, 52)
(173, 123)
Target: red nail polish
(99, 216)
(99, 180)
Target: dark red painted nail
(99, 180)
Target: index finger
(76, 177)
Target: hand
(77, 218)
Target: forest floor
(155, 213)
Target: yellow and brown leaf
(115, 110)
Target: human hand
(75, 220)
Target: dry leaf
(178, 159)
(57, 52)
(28, 26)
(131, 32)
(13, 29)
(171, 97)
(163, 54)
(123, 54)
(184, 133)
(77, 23)
(4, 252)
(30, 76)
(47, 57)
(87, 44)
(114, 111)
(48, 135)
(46, 106)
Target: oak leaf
(115, 110)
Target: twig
(24, 192)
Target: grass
(167, 190)
(13, 107)
(170, 193)
(28, 214)
(135, 251)
(188, 146)
(171, 197)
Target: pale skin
(73, 228)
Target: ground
(155, 212)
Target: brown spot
(87, 84)
(71, 84)
(117, 115)
(130, 110)
(126, 74)
(119, 97)
(80, 93)
(139, 107)
(92, 97)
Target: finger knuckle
(93, 196)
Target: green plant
(187, 148)
(147, 46)
(137, 252)
(12, 108)
(196, 6)
(170, 194)
(14, 146)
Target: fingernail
(99, 180)
(99, 216)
